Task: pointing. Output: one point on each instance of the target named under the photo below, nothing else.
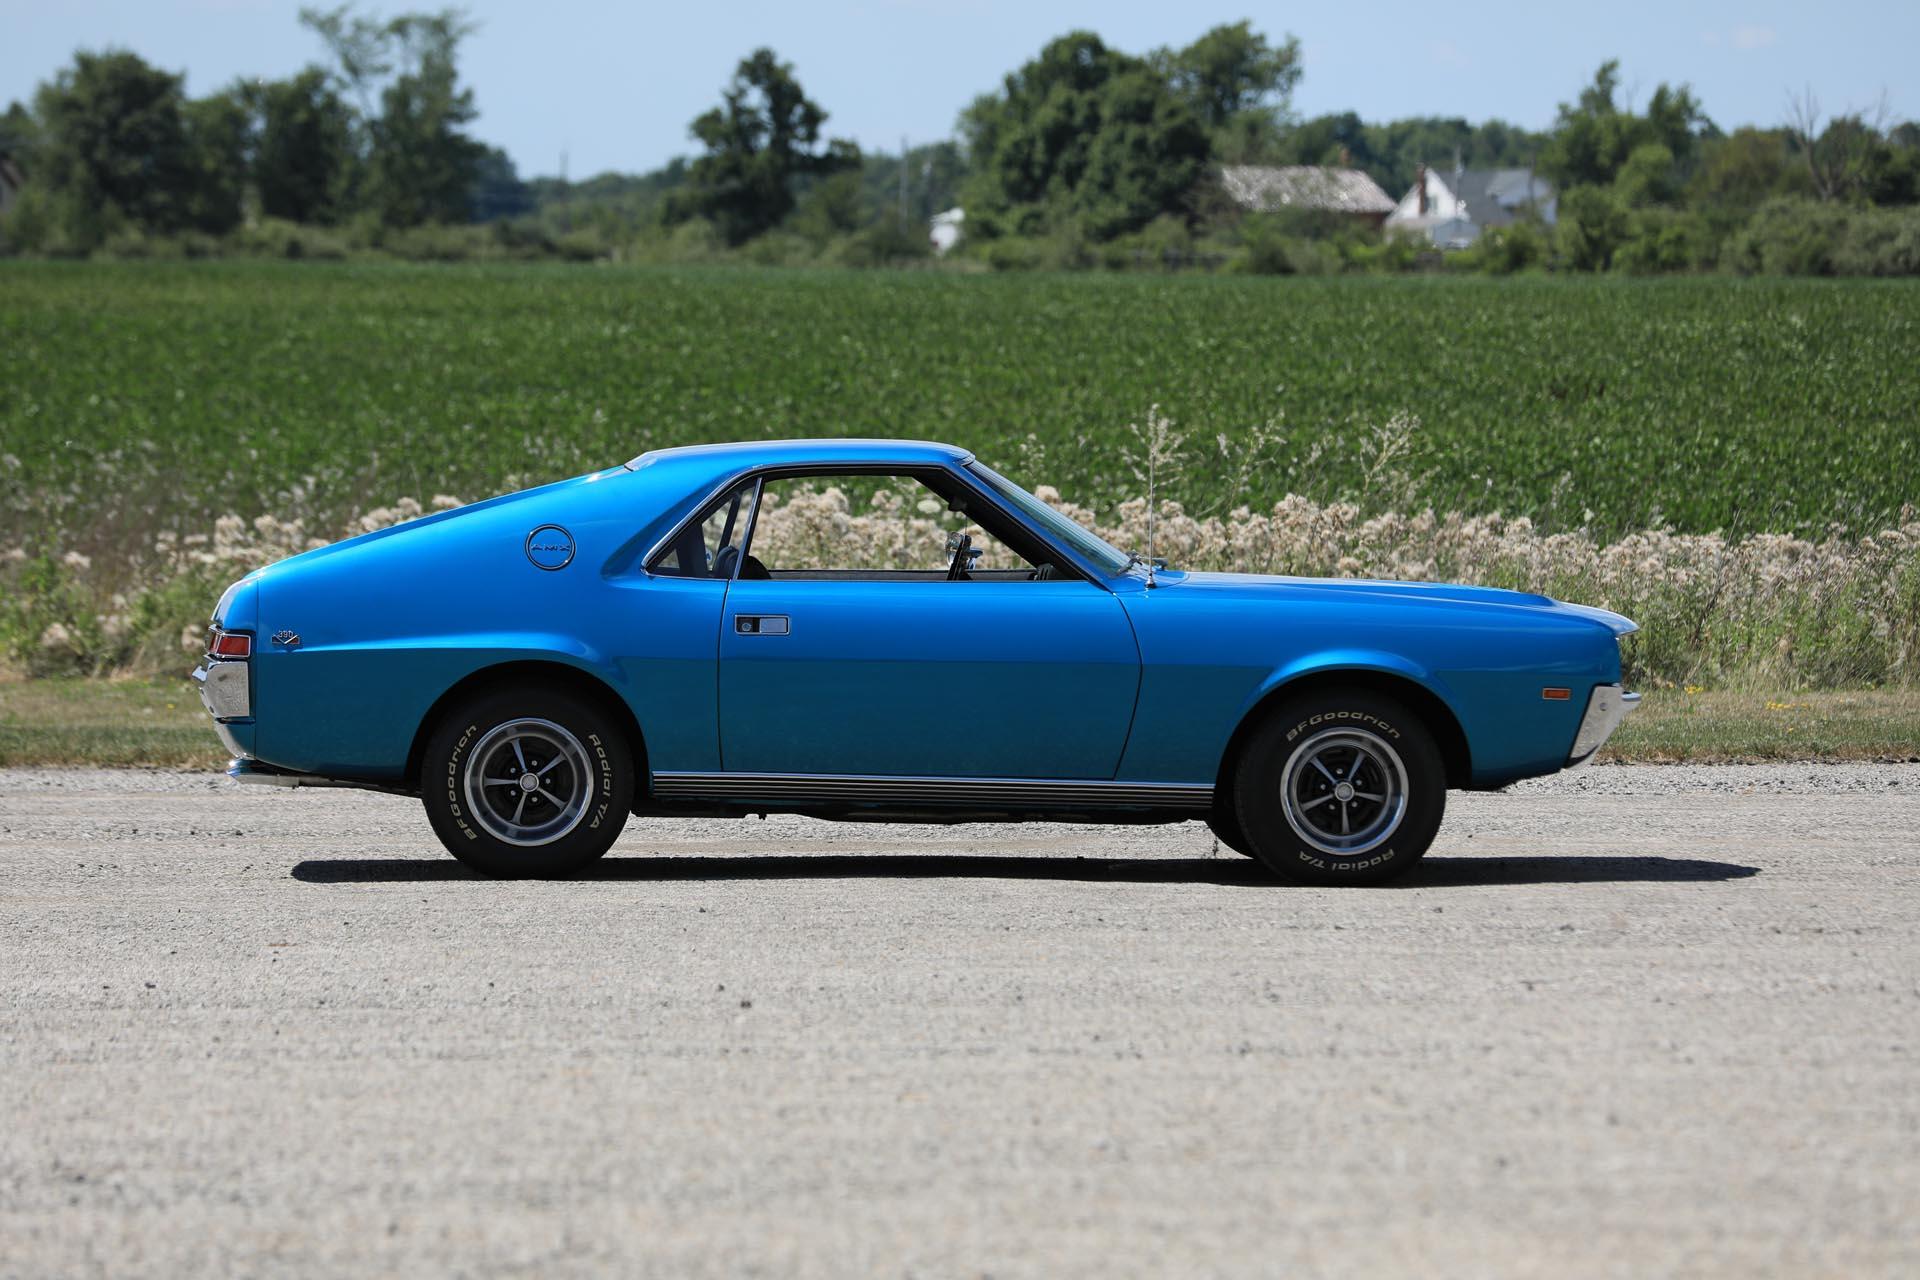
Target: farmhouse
(1270, 189)
(1451, 210)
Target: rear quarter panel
(389, 623)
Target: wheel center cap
(1342, 793)
(529, 782)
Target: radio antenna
(1151, 503)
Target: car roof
(757, 453)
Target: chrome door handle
(761, 624)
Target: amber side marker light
(1556, 695)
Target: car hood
(1270, 586)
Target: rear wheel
(527, 782)
(1340, 787)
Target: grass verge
(1676, 727)
(159, 723)
(105, 723)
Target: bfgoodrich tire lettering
(527, 782)
(1340, 787)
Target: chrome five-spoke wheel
(528, 779)
(1344, 791)
(1339, 786)
(528, 782)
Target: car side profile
(688, 634)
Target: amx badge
(550, 547)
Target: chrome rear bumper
(226, 689)
(1607, 706)
(257, 774)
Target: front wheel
(1340, 787)
(527, 782)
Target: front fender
(1337, 661)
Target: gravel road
(1634, 1022)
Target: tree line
(113, 147)
(1085, 155)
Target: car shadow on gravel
(1431, 873)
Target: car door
(925, 678)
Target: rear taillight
(230, 644)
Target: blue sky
(614, 85)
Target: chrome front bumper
(1607, 706)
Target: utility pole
(903, 179)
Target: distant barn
(1273, 188)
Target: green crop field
(139, 397)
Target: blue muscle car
(647, 640)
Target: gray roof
(1495, 197)
(1268, 189)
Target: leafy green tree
(1593, 224)
(1082, 133)
(1648, 177)
(762, 142)
(1237, 85)
(1854, 159)
(421, 166)
(27, 224)
(1144, 159)
(1594, 135)
(362, 49)
(1339, 139)
(114, 145)
(303, 159)
(832, 207)
(1739, 171)
(219, 139)
(1231, 70)
(17, 133)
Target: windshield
(1102, 553)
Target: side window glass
(875, 527)
(709, 546)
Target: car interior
(968, 539)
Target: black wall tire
(527, 782)
(1340, 787)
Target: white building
(1450, 210)
(945, 229)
